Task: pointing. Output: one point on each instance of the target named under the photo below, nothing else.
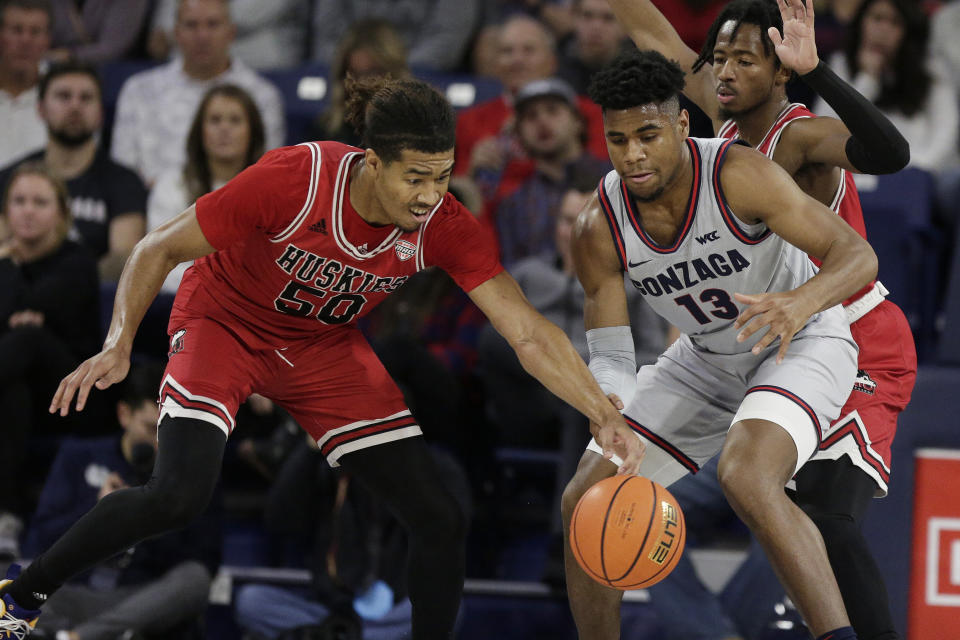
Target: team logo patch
(176, 342)
(864, 383)
(405, 250)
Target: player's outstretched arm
(649, 29)
(155, 256)
(546, 353)
(848, 262)
(863, 140)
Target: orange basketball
(627, 532)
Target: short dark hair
(69, 67)
(636, 78)
(142, 384)
(29, 5)
(761, 13)
(391, 115)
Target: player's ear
(373, 161)
(683, 124)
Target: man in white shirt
(24, 41)
(156, 107)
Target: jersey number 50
(338, 309)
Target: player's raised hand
(104, 369)
(784, 313)
(797, 48)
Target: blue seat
(949, 347)
(898, 211)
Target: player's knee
(747, 493)
(439, 520)
(174, 505)
(838, 530)
(572, 493)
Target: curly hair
(391, 115)
(637, 78)
(761, 13)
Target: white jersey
(691, 283)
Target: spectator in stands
(96, 31)
(369, 47)
(107, 200)
(355, 550)
(886, 59)
(49, 320)
(597, 39)
(24, 41)
(226, 136)
(270, 35)
(437, 32)
(156, 588)
(551, 131)
(487, 147)
(155, 107)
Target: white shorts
(684, 404)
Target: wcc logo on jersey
(405, 250)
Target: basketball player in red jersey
(739, 81)
(288, 255)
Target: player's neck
(753, 125)
(363, 196)
(70, 162)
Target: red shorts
(331, 383)
(887, 370)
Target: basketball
(627, 532)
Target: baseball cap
(547, 87)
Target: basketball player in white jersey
(716, 237)
(739, 80)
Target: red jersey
(846, 201)
(294, 257)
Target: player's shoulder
(302, 160)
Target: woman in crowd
(49, 320)
(226, 137)
(886, 59)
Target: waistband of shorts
(866, 303)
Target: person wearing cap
(551, 131)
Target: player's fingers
(785, 341)
(61, 398)
(93, 375)
(783, 6)
(747, 316)
(765, 341)
(774, 37)
(808, 12)
(615, 401)
(634, 456)
(752, 327)
(605, 440)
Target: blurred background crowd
(115, 115)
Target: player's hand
(615, 437)
(797, 49)
(104, 369)
(784, 313)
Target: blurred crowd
(85, 175)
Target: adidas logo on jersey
(319, 227)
